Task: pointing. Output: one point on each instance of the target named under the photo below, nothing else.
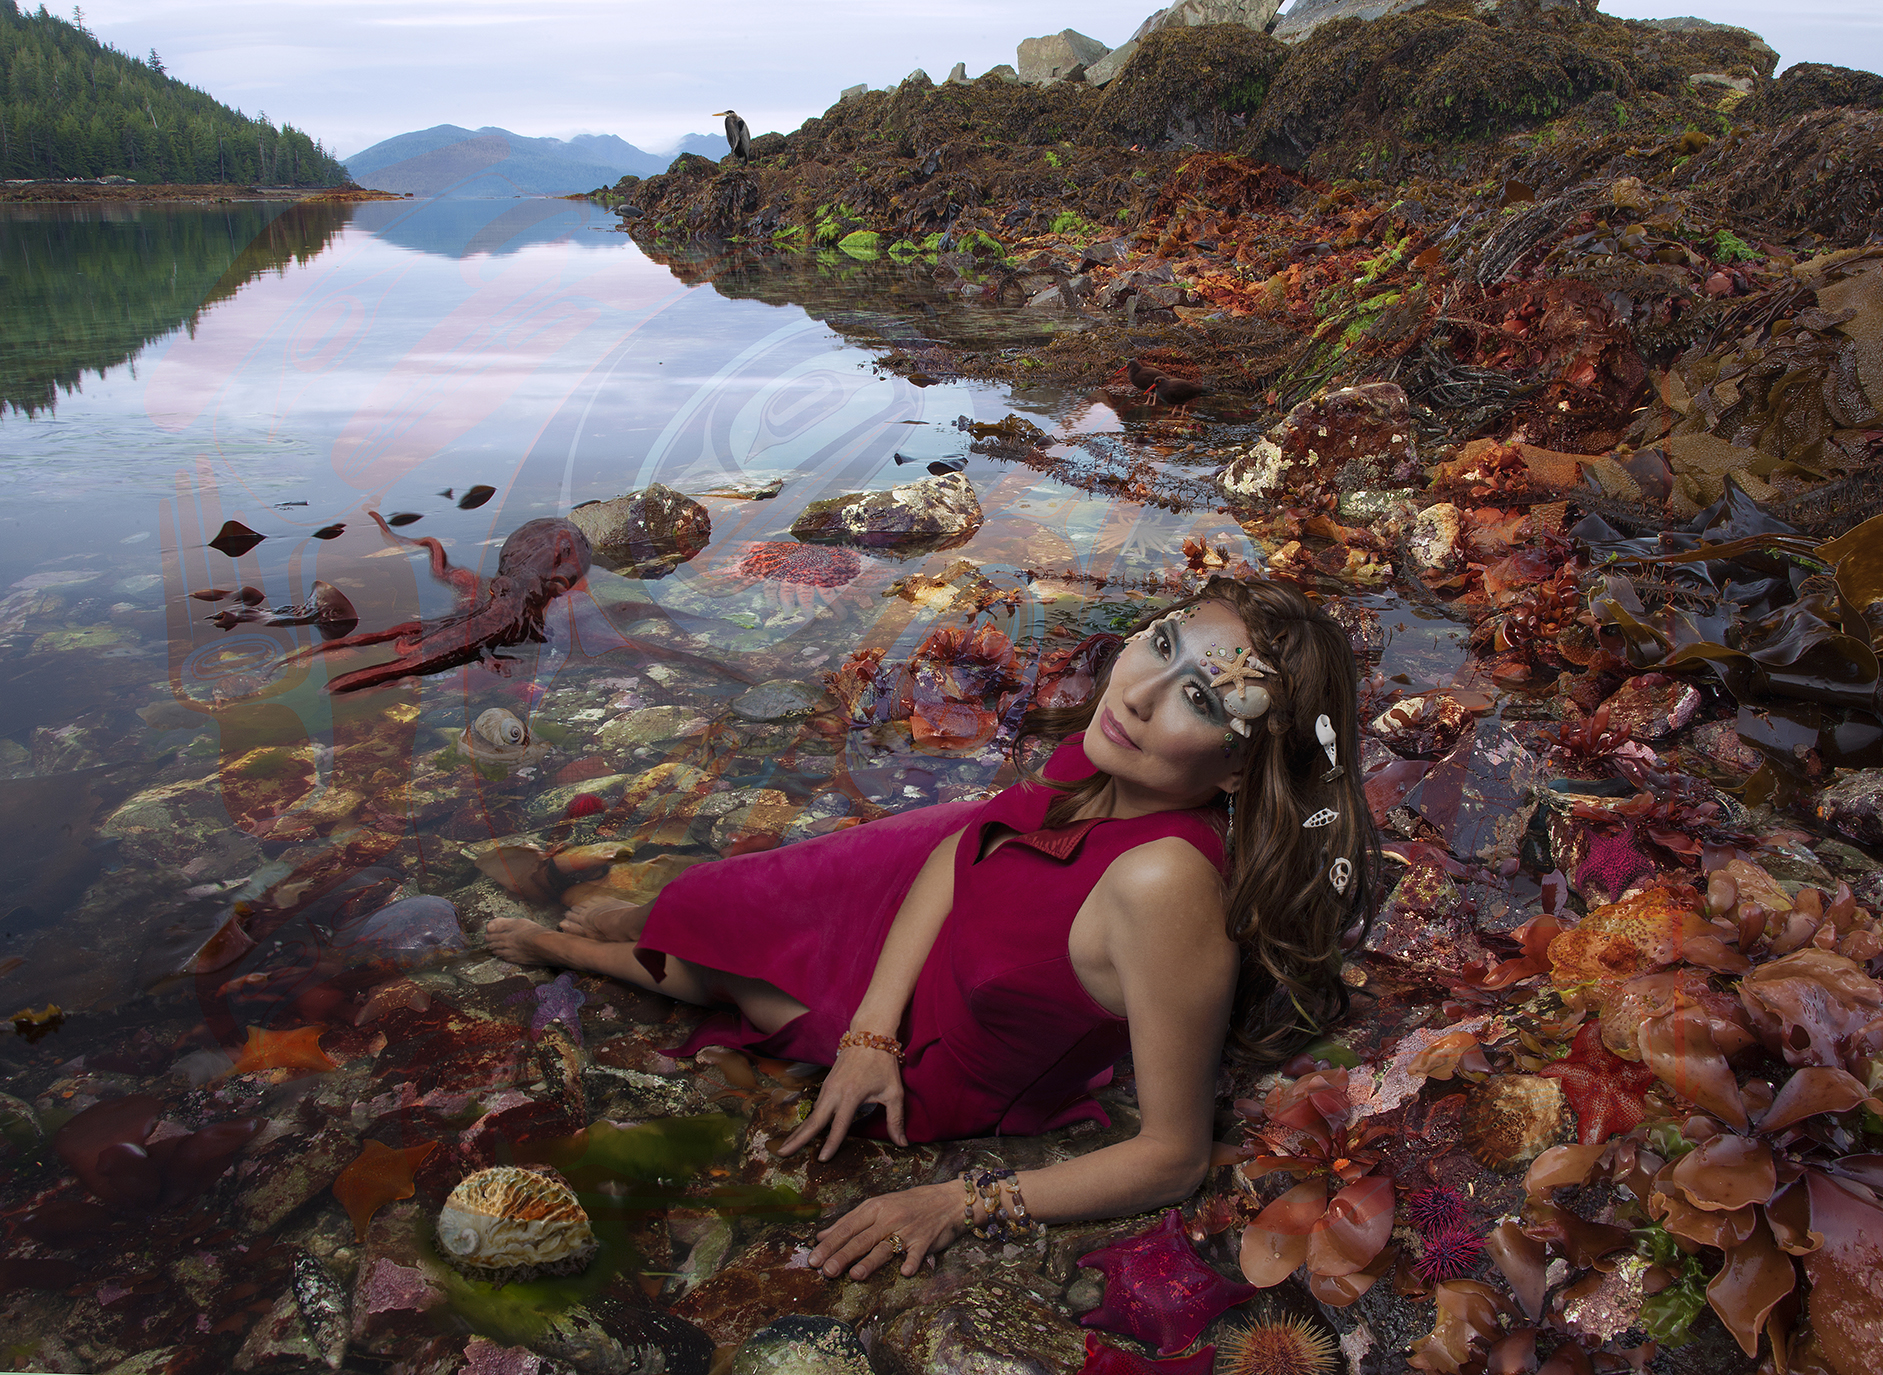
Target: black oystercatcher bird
(1142, 375)
(738, 135)
(1178, 391)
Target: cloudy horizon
(353, 73)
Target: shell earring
(1324, 732)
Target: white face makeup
(1223, 673)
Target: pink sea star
(1613, 863)
(1158, 1289)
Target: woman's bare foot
(521, 941)
(606, 919)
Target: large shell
(498, 737)
(509, 1223)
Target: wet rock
(1652, 706)
(1424, 925)
(1513, 1118)
(153, 1362)
(20, 1130)
(1853, 806)
(1057, 56)
(930, 513)
(990, 1327)
(778, 699)
(1140, 281)
(487, 1358)
(293, 1171)
(645, 534)
(802, 1346)
(1361, 436)
(1718, 743)
(1254, 472)
(395, 1289)
(958, 75)
(650, 725)
(280, 1344)
(552, 804)
(1435, 544)
(1106, 69)
(322, 1300)
(767, 1278)
(1423, 726)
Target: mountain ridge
(448, 159)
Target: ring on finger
(897, 1246)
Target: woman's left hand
(922, 1220)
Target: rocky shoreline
(119, 189)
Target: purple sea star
(1104, 1359)
(559, 1000)
(1613, 863)
(1158, 1289)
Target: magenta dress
(1000, 1036)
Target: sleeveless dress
(999, 1034)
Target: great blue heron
(737, 135)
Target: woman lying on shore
(1184, 874)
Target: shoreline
(55, 192)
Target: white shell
(1325, 817)
(498, 737)
(509, 1223)
(1340, 874)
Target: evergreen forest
(71, 106)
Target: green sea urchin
(1287, 1346)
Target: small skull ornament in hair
(1234, 672)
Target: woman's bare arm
(871, 1076)
(1162, 907)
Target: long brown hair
(1280, 907)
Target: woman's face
(1163, 729)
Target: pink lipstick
(1108, 726)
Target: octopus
(801, 576)
(540, 561)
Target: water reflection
(225, 874)
(89, 286)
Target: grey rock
(291, 1176)
(1255, 14)
(1106, 69)
(919, 77)
(1305, 16)
(779, 699)
(852, 92)
(152, 1362)
(322, 1300)
(992, 1328)
(645, 534)
(958, 74)
(649, 725)
(1003, 71)
(802, 1345)
(747, 489)
(931, 513)
(1742, 84)
(1053, 57)
(1689, 24)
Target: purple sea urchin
(1449, 1253)
(1289, 1346)
(1435, 1210)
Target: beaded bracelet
(998, 1191)
(870, 1040)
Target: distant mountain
(712, 147)
(447, 160)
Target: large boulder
(932, 513)
(645, 534)
(1252, 14)
(1186, 85)
(1056, 56)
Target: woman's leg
(521, 941)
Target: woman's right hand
(862, 1075)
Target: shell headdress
(510, 1223)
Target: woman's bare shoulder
(1167, 880)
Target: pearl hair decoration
(1327, 816)
(1324, 732)
(1340, 874)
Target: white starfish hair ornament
(1239, 684)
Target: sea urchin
(813, 564)
(1289, 1346)
(1435, 1210)
(1449, 1254)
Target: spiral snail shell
(509, 1223)
(498, 737)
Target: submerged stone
(802, 1346)
(931, 513)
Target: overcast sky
(353, 72)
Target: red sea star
(1101, 1359)
(812, 564)
(1158, 1289)
(1604, 1089)
(1613, 863)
